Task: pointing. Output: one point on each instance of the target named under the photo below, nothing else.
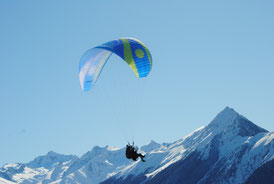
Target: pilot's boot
(142, 157)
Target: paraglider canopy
(131, 50)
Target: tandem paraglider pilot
(131, 153)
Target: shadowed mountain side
(228, 150)
(264, 174)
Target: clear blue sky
(206, 55)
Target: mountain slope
(4, 181)
(230, 145)
(46, 168)
(228, 150)
(264, 174)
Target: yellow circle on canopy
(139, 53)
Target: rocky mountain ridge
(227, 150)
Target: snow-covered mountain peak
(98, 149)
(52, 153)
(228, 120)
(50, 159)
(12, 165)
(111, 148)
(107, 148)
(13, 168)
(152, 145)
(224, 118)
(230, 145)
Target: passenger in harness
(131, 153)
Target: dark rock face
(264, 174)
(190, 170)
(187, 171)
(130, 179)
(247, 128)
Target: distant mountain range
(229, 150)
